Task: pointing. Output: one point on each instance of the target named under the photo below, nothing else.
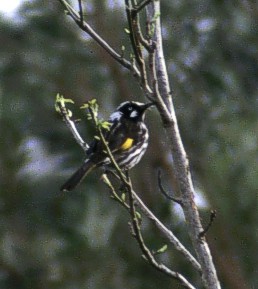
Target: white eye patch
(133, 114)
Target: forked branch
(78, 19)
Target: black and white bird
(127, 139)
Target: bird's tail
(78, 176)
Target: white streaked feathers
(135, 153)
(131, 157)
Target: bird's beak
(148, 105)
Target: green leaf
(58, 96)
(60, 99)
(69, 113)
(93, 101)
(106, 125)
(123, 197)
(138, 215)
(162, 249)
(68, 100)
(127, 31)
(106, 180)
(84, 106)
(57, 108)
(123, 48)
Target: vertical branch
(128, 9)
(138, 42)
(181, 163)
(153, 14)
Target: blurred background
(81, 239)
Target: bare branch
(136, 230)
(137, 26)
(166, 232)
(89, 30)
(135, 45)
(71, 125)
(154, 219)
(136, 39)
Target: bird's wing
(120, 137)
(114, 136)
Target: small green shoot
(162, 249)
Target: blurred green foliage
(81, 239)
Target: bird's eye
(130, 108)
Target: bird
(127, 139)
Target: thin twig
(163, 191)
(71, 125)
(138, 31)
(162, 228)
(213, 215)
(89, 30)
(133, 39)
(137, 41)
(136, 232)
(114, 194)
(80, 10)
(140, 43)
(168, 234)
(142, 5)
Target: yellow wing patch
(127, 144)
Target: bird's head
(131, 110)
